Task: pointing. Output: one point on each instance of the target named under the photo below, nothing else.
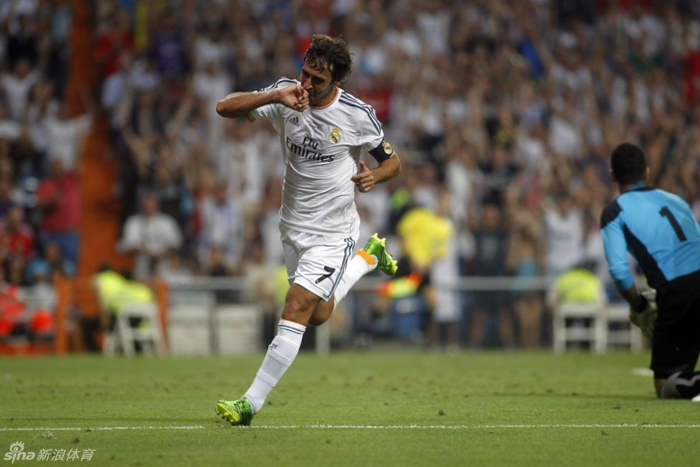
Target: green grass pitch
(398, 408)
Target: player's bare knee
(296, 311)
(299, 306)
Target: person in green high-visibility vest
(116, 291)
(579, 285)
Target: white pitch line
(350, 427)
(457, 427)
(642, 372)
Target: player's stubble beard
(323, 97)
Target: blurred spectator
(115, 38)
(174, 268)
(6, 201)
(22, 43)
(14, 270)
(491, 239)
(12, 309)
(9, 129)
(209, 46)
(444, 273)
(16, 87)
(169, 47)
(499, 173)
(263, 288)
(16, 236)
(116, 85)
(51, 264)
(222, 227)
(59, 17)
(563, 234)
(42, 106)
(150, 236)
(215, 264)
(58, 197)
(249, 158)
(525, 261)
(166, 182)
(41, 303)
(136, 154)
(65, 135)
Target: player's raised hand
(294, 97)
(364, 179)
(302, 98)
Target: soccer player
(659, 230)
(323, 131)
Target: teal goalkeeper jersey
(659, 230)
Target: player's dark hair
(332, 52)
(628, 163)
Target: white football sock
(280, 355)
(357, 267)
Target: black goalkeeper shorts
(676, 343)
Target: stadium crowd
(504, 113)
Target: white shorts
(317, 262)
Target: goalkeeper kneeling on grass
(658, 228)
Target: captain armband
(382, 152)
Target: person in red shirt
(116, 37)
(58, 197)
(16, 237)
(12, 309)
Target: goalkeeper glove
(645, 317)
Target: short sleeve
(272, 112)
(371, 128)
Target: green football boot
(377, 247)
(237, 412)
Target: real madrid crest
(387, 147)
(334, 135)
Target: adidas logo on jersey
(294, 120)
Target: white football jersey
(321, 148)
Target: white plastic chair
(147, 333)
(622, 332)
(565, 332)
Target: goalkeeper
(659, 230)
